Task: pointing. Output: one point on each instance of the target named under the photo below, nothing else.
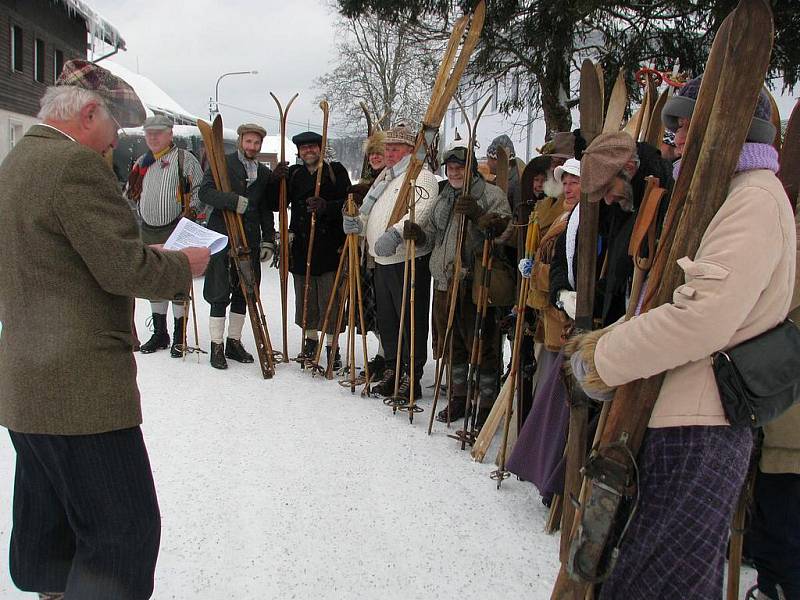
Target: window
(14, 133)
(58, 63)
(16, 48)
(38, 61)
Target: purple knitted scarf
(753, 156)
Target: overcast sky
(185, 46)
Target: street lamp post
(216, 89)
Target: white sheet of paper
(188, 234)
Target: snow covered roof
(96, 25)
(155, 100)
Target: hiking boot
(235, 351)
(218, 356)
(480, 418)
(376, 368)
(385, 387)
(337, 361)
(456, 407)
(51, 595)
(309, 350)
(177, 349)
(405, 388)
(160, 338)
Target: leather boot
(309, 350)
(235, 351)
(456, 406)
(337, 361)
(160, 338)
(218, 356)
(177, 350)
(385, 387)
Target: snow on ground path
(294, 488)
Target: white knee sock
(235, 324)
(217, 329)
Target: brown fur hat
(374, 144)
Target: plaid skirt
(690, 478)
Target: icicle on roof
(97, 26)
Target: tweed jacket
(738, 285)
(71, 264)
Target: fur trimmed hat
(375, 144)
(603, 160)
(682, 106)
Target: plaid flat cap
(121, 99)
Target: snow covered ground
(294, 488)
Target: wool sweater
(376, 222)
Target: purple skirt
(690, 478)
(538, 454)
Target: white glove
(241, 205)
(267, 251)
(568, 301)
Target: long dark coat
(328, 237)
(259, 221)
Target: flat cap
(120, 98)
(603, 160)
(251, 128)
(307, 137)
(157, 122)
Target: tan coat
(780, 452)
(739, 285)
(71, 263)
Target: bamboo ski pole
(313, 227)
(339, 321)
(412, 407)
(531, 241)
(351, 310)
(337, 282)
(283, 224)
(362, 321)
(394, 400)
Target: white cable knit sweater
(375, 224)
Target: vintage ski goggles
(457, 154)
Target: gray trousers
(319, 292)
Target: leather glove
(267, 251)
(352, 225)
(567, 302)
(492, 224)
(281, 171)
(525, 266)
(413, 232)
(316, 204)
(468, 206)
(581, 371)
(359, 191)
(241, 205)
(387, 244)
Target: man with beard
(253, 193)
(386, 246)
(156, 185)
(487, 213)
(328, 238)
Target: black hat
(307, 137)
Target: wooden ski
(450, 70)
(790, 157)
(591, 109)
(368, 117)
(283, 224)
(616, 105)
(733, 78)
(237, 243)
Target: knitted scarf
(381, 182)
(572, 236)
(753, 156)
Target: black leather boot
(218, 356)
(177, 350)
(309, 350)
(235, 351)
(337, 361)
(160, 338)
(456, 406)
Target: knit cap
(682, 106)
